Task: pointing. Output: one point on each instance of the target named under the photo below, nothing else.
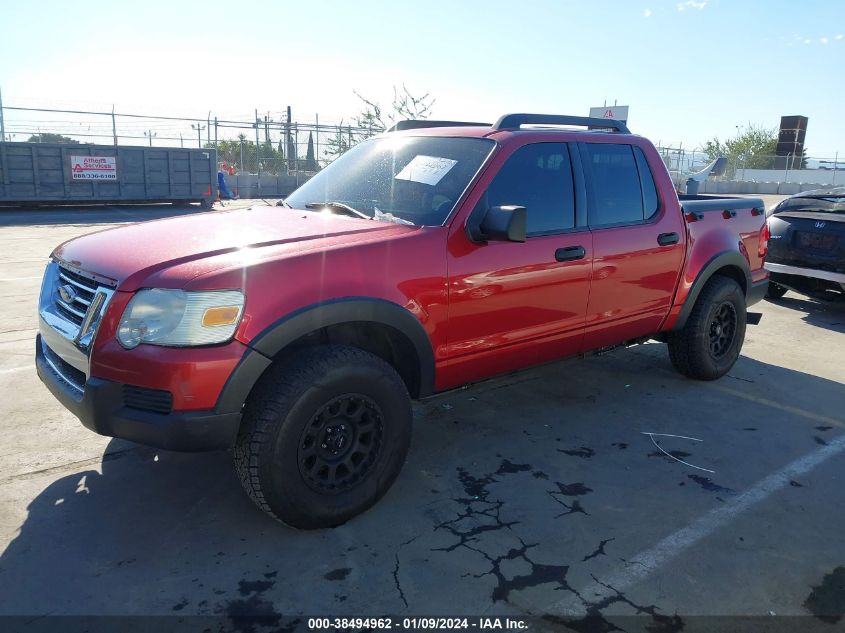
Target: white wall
(809, 176)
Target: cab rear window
(622, 189)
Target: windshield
(410, 179)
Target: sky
(689, 71)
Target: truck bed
(737, 216)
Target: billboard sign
(93, 168)
(620, 113)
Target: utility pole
(181, 140)
(287, 139)
(113, 126)
(2, 124)
(199, 128)
(267, 128)
(150, 134)
(208, 127)
(215, 132)
(296, 157)
(257, 153)
(317, 139)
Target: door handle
(665, 239)
(570, 253)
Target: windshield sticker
(429, 170)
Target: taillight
(763, 244)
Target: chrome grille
(72, 304)
(67, 372)
(74, 295)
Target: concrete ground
(537, 493)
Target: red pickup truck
(423, 259)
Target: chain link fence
(803, 171)
(273, 143)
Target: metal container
(53, 173)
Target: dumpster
(54, 173)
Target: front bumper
(99, 405)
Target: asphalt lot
(533, 493)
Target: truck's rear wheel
(324, 435)
(710, 341)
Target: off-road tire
(691, 348)
(775, 291)
(296, 396)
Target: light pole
(150, 134)
(199, 128)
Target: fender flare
(278, 335)
(728, 258)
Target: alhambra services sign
(93, 168)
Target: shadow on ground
(826, 314)
(517, 493)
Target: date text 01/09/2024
(419, 623)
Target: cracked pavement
(527, 494)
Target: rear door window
(622, 187)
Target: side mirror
(504, 223)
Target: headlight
(179, 318)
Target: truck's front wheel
(324, 435)
(709, 343)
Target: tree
(310, 161)
(271, 159)
(49, 137)
(753, 149)
(373, 119)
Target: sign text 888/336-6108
(90, 176)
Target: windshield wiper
(341, 206)
(282, 203)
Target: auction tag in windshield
(428, 170)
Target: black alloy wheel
(710, 341)
(341, 443)
(324, 434)
(722, 330)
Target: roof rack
(419, 124)
(513, 121)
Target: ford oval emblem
(67, 293)
(819, 225)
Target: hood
(128, 254)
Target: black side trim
(344, 310)
(242, 380)
(719, 261)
